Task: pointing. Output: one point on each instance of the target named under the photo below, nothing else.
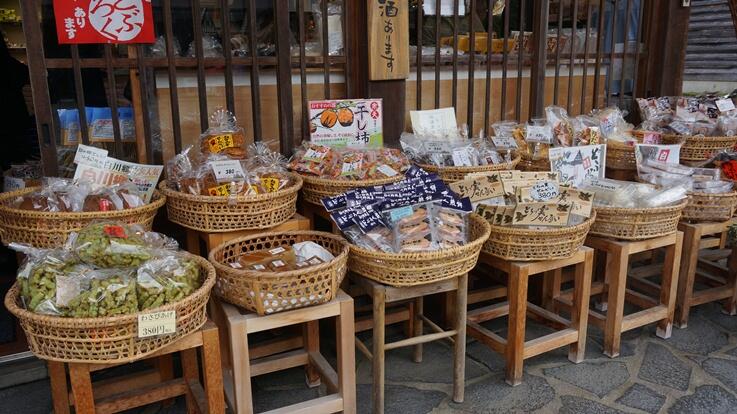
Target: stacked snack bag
(347, 163)
(106, 269)
(66, 195)
(706, 115)
(221, 166)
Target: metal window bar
(200, 61)
(571, 65)
(613, 43)
(228, 54)
(520, 53)
(79, 93)
(437, 54)
(556, 82)
(585, 57)
(303, 69)
(505, 61)
(255, 85)
(640, 31)
(172, 69)
(487, 97)
(325, 47)
(454, 87)
(624, 50)
(419, 65)
(471, 65)
(599, 52)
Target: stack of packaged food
(348, 163)
(283, 258)
(706, 115)
(106, 269)
(453, 148)
(220, 165)
(66, 195)
(419, 213)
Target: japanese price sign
(104, 21)
(388, 39)
(346, 123)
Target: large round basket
(521, 244)
(710, 207)
(453, 174)
(700, 148)
(315, 189)
(270, 292)
(637, 223)
(44, 229)
(418, 268)
(222, 214)
(620, 156)
(109, 339)
(527, 163)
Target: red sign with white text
(104, 21)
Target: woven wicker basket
(108, 339)
(700, 148)
(519, 244)
(220, 214)
(710, 207)
(453, 174)
(637, 223)
(620, 156)
(48, 230)
(411, 269)
(528, 164)
(315, 189)
(271, 292)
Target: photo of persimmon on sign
(104, 21)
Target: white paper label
(725, 105)
(387, 170)
(504, 142)
(544, 191)
(436, 146)
(539, 134)
(91, 156)
(227, 170)
(461, 157)
(350, 168)
(434, 121)
(157, 323)
(13, 183)
(312, 155)
(277, 250)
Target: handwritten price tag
(157, 323)
(504, 142)
(220, 142)
(227, 170)
(725, 105)
(542, 134)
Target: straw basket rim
(509, 165)
(157, 201)
(433, 254)
(732, 193)
(24, 314)
(293, 187)
(552, 231)
(703, 138)
(644, 210)
(264, 275)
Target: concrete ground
(695, 371)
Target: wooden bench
(657, 302)
(382, 295)
(139, 389)
(721, 287)
(570, 332)
(240, 367)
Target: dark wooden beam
(666, 46)
(539, 59)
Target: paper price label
(539, 134)
(89, 155)
(725, 105)
(13, 183)
(351, 168)
(220, 142)
(504, 142)
(312, 155)
(227, 170)
(221, 190)
(157, 323)
(462, 157)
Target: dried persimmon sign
(104, 21)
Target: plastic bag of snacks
(559, 121)
(224, 136)
(37, 277)
(166, 279)
(313, 159)
(113, 244)
(56, 195)
(181, 171)
(267, 169)
(586, 130)
(110, 292)
(117, 197)
(283, 258)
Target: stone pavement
(693, 372)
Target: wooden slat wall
(711, 53)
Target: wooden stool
(210, 240)
(240, 367)
(381, 295)
(117, 394)
(615, 256)
(570, 332)
(721, 287)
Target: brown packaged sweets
(277, 259)
(40, 202)
(99, 202)
(224, 136)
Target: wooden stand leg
(616, 272)
(59, 389)
(409, 324)
(193, 242)
(580, 309)
(459, 346)
(165, 366)
(551, 288)
(311, 337)
(517, 294)
(669, 284)
(378, 349)
(241, 369)
(600, 258)
(212, 372)
(190, 372)
(346, 357)
(731, 303)
(687, 274)
(418, 305)
(79, 377)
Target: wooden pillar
(667, 25)
(539, 46)
(284, 76)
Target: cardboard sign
(104, 21)
(346, 123)
(541, 214)
(578, 164)
(157, 323)
(481, 188)
(580, 202)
